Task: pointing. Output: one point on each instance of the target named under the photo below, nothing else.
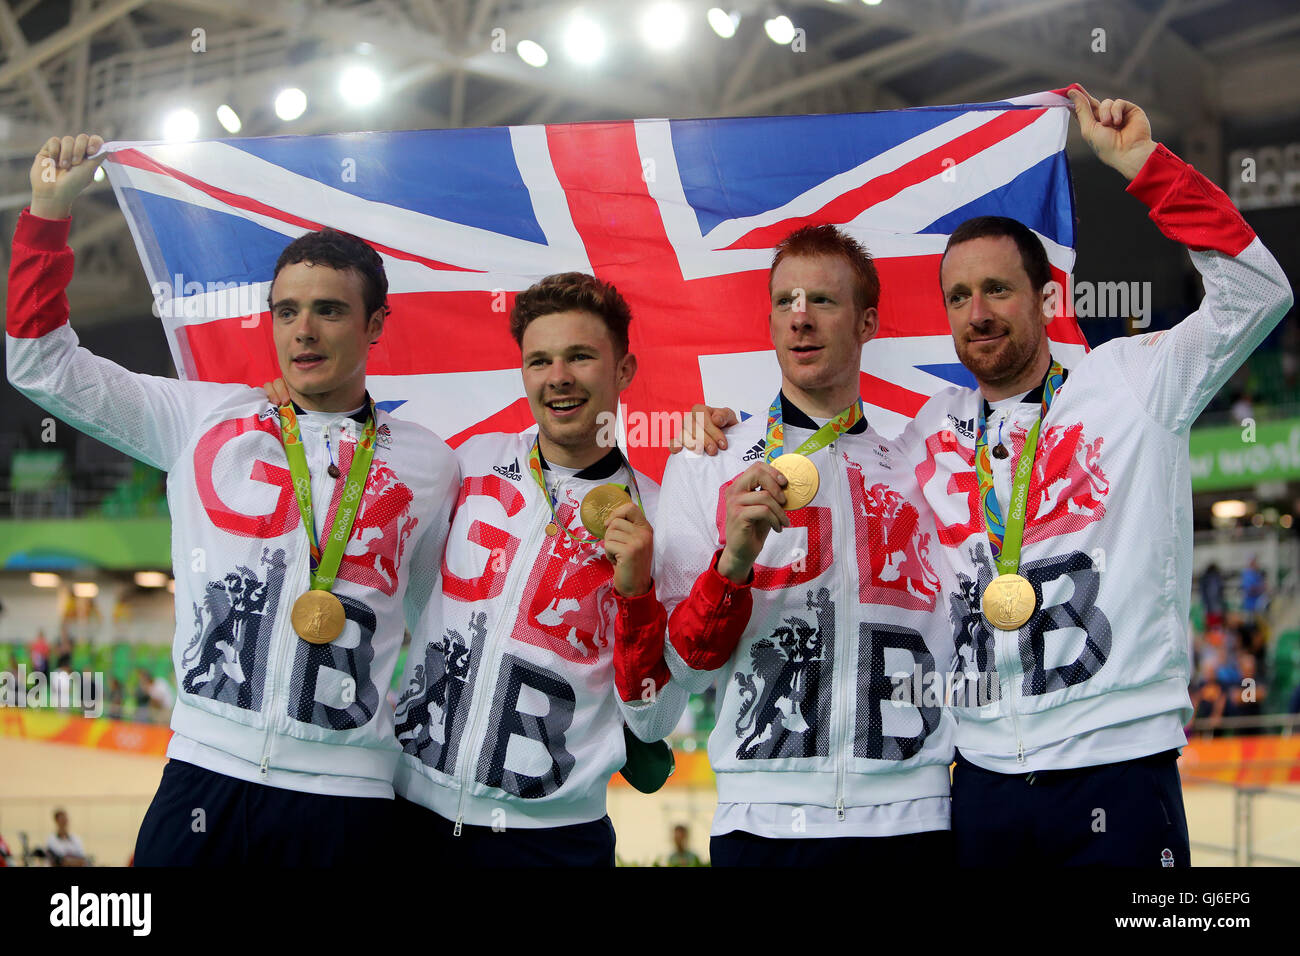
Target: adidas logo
(965, 428)
(756, 452)
(512, 472)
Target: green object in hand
(648, 766)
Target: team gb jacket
(255, 701)
(1099, 673)
(514, 701)
(823, 703)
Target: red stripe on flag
(133, 157)
(885, 394)
(515, 417)
(1065, 327)
(427, 332)
(850, 205)
(911, 302)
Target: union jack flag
(681, 215)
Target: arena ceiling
(117, 67)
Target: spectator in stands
(1208, 698)
(1243, 407)
(1212, 596)
(115, 707)
(154, 697)
(40, 653)
(682, 854)
(1254, 590)
(64, 848)
(63, 653)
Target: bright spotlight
(290, 104)
(724, 24)
(872, 3)
(85, 589)
(779, 29)
(179, 126)
(584, 41)
(663, 26)
(360, 86)
(43, 579)
(229, 119)
(532, 53)
(1229, 508)
(151, 579)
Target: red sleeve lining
(706, 627)
(39, 272)
(1189, 208)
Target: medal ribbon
(1005, 537)
(324, 569)
(535, 469)
(819, 439)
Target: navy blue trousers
(426, 836)
(738, 848)
(1117, 814)
(201, 818)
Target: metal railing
(1283, 724)
(1244, 823)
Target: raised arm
(148, 417)
(1175, 373)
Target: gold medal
(552, 528)
(599, 504)
(318, 617)
(802, 476)
(1009, 602)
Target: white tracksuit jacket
(254, 700)
(816, 710)
(1100, 672)
(510, 715)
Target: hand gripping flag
(681, 215)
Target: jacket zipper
(841, 693)
(488, 667)
(1002, 641)
(283, 624)
(1002, 653)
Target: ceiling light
(229, 119)
(779, 29)
(180, 126)
(584, 41)
(663, 26)
(290, 104)
(360, 86)
(724, 24)
(532, 53)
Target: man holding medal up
(1063, 502)
(512, 713)
(306, 538)
(820, 760)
